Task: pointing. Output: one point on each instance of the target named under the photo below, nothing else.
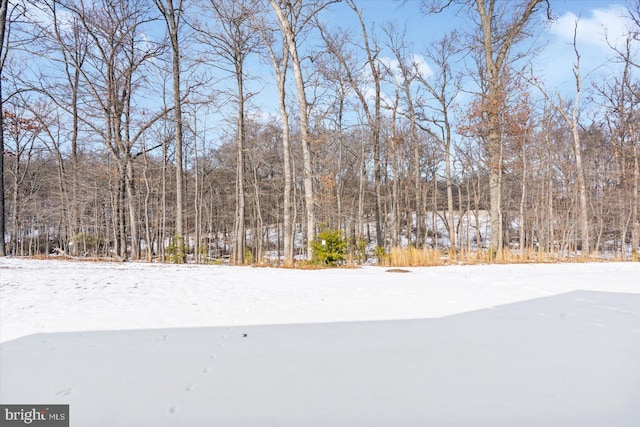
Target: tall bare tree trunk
(635, 227)
(309, 199)
(496, 46)
(377, 166)
(577, 147)
(147, 219)
(133, 217)
(172, 19)
(289, 37)
(280, 66)
(523, 198)
(453, 235)
(162, 235)
(197, 197)
(239, 225)
(373, 119)
(288, 223)
(442, 55)
(572, 122)
(3, 22)
(234, 40)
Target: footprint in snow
(190, 387)
(65, 392)
(174, 409)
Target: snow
(129, 344)
(42, 296)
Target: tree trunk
(523, 196)
(280, 68)
(377, 167)
(132, 207)
(309, 199)
(496, 46)
(239, 226)
(453, 235)
(495, 193)
(287, 218)
(289, 38)
(3, 22)
(635, 228)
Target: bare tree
(172, 17)
(409, 71)
(443, 86)
(571, 118)
(293, 18)
(336, 45)
(4, 29)
(234, 41)
(66, 45)
(500, 26)
(110, 74)
(280, 64)
(631, 86)
(22, 131)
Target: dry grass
(427, 257)
(412, 257)
(74, 258)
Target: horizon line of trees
(131, 129)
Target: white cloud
(387, 94)
(598, 30)
(604, 27)
(392, 65)
(418, 64)
(421, 66)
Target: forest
(251, 131)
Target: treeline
(137, 130)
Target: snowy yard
(139, 344)
(60, 296)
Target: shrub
(86, 239)
(84, 243)
(248, 256)
(177, 250)
(381, 254)
(329, 248)
(361, 250)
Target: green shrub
(83, 243)
(381, 254)
(90, 240)
(248, 256)
(329, 248)
(177, 250)
(203, 251)
(361, 250)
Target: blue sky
(553, 65)
(596, 18)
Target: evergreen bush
(329, 248)
(177, 250)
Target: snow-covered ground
(39, 296)
(165, 345)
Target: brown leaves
(17, 125)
